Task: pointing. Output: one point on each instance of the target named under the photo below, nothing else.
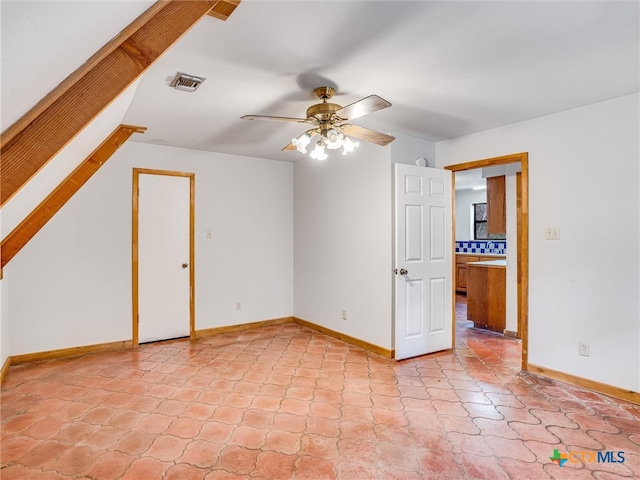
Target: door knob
(403, 271)
(185, 265)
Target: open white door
(423, 256)
(164, 257)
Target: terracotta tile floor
(287, 402)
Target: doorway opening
(522, 239)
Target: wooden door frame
(134, 245)
(522, 240)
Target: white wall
(4, 314)
(407, 149)
(4, 319)
(343, 233)
(26, 29)
(584, 173)
(71, 285)
(464, 200)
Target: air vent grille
(186, 83)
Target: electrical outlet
(238, 306)
(584, 349)
(552, 233)
(344, 313)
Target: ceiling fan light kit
(318, 153)
(349, 146)
(329, 121)
(301, 142)
(333, 140)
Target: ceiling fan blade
(312, 133)
(277, 119)
(367, 134)
(363, 107)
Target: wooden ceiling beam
(40, 215)
(41, 133)
(223, 9)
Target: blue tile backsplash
(495, 247)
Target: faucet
(489, 245)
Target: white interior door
(164, 307)
(423, 257)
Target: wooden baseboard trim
(69, 352)
(208, 332)
(599, 387)
(5, 368)
(104, 347)
(510, 333)
(385, 352)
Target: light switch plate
(552, 233)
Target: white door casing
(164, 256)
(423, 261)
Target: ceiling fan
(329, 121)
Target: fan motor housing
(323, 111)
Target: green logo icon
(559, 458)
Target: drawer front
(466, 258)
(492, 257)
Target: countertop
(489, 263)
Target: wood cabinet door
(461, 278)
(496, 205)
(486, 300)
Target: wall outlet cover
(584, 349)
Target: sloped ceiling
(448, 68)
(43, 42)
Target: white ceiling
(469, 179)
(449, 68)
